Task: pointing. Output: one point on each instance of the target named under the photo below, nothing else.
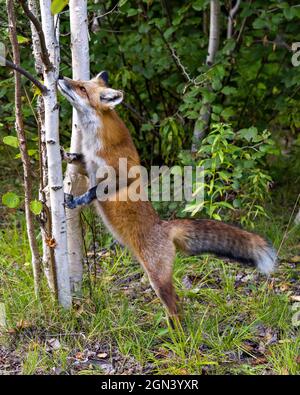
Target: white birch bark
(36, 47)
(76, 183)
(214, 31)
(55, 176)
(47, 257)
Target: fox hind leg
(160, 274)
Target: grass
(235, 320)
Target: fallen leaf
(80, 356)
(162, 353)
(79, 311)
(284, 287)
(295, 298)
(57, 370)
(295, 259)
(22, 324)
(53, 344)
(102, 355)
(186, 282)
(259, 361)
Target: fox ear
(111, 97)
(103, 75)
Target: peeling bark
(48, 261)
(76, 183)
(58, 241)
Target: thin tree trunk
(35, 256)
(202, 124)
(297, 219)
(76, 183)
(36, 47)
(214, 31)
(58, 219)
(48, 260)
(231, 16)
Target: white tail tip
(266, 260)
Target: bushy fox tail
(195, 237)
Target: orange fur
(136, 224)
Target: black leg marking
(82, 200)
(71, 157)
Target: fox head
(88, 95)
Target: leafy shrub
(235, 175)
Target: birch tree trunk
(35, 256)
(214, 31)
(48, 260)
(76, 183)
(202, 123)
(55, 178)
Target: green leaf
(11, 200)
(199, 5)
(122, 2)
(237, 203)
(290, 13)
(58, 5)
(132, 11)
(228, 112)
(225, 204)
(249, 134)
(229, 90)
(36, 207)
(11, 141)
(23, 40)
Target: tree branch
(231, 16)
(26, 74)
(177, 62)
(44, 52)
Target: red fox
(105, 139)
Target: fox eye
(83, 90)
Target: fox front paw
(70, 157)
(69, 201)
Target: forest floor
(236, 321)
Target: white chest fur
(91, 144)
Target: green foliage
(36, 207)
(11, 200)
(155, 52)
(234, 322)
(234, 175)
(58, 5)
(12, 141)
